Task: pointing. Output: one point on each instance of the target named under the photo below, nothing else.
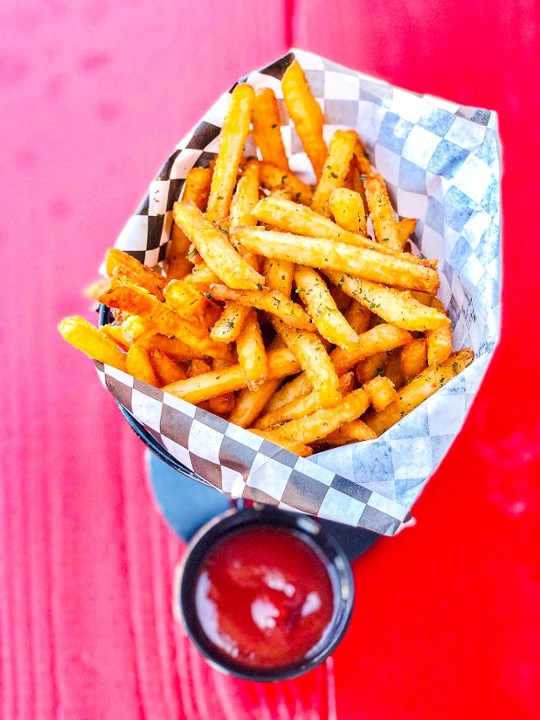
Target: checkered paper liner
(441, 164)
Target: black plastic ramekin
(305, 528)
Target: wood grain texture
(97, 93)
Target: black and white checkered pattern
(441, 163)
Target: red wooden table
(95, 94)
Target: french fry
(166, 369)
(175, 348)
(396, 307)
(230, 324)
(439, 341)
(419, 389)
(251, 352)
(306, 114)
(381, 392)
(334, 255)
(413, 358)
(275, 178)
(279, 275)
(185, 299)
(348, 210)
(286, 443)
(267, 128)
(119, 265)
(285, 193)
(314, 360)
(290, 216)
(217, 382)
(201, 276)
(371, 367)
(360, 155)
(296, 388)
(116, 333)
(323, 310)
(405, 228)
(271, 301)
(246, 196)
(250, 403)
(139, 365)
(198, 367)
(380, 210)
(216, 250)
(233, 136)
(302, 406)
(85, 337)
(393, 368)
(165, 320)
(358, 316)
(196, 191)
(321, 423)
(340, 298)
(334, 170)
(222, 405)
(354, 431)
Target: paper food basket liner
(441, 163)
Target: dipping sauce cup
(264, 594)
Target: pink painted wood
(95, 94)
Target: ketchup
(263, 597)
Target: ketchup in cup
(265, 594)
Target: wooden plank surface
(94, 96)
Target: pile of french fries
(294, 311)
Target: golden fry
(251, 351)
(321, 423)
(222, 405)
(272, 302)
(333, 255)
(405, 228)
(233, 136)
(381, 392)
(371, 367)
(85, 337)
(273, 177)
(323, 310)
(121, 266)
(217, 382)
(201, 276)
(380, 210)
(246, 196)
(216, 250)
(393, 368)
(413, 358)
(348, 210)
(306, 114)
(286, 443)
(314, 360)
(230, 324)
(358, 316)
(279, 275)
(419, 389)
(166, 369)
(197, 187)
(250, 403)
(267, 128)
(354, 431)
(394, 306)
(439, 341)
(185, 299)
(139, 365)
(334, 171)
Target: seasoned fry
(413, 358)
(381, 392)
(250, 403)
(354, 431)
(334, 171)
(393, 368)
(230, 324)
(296, 388)
(195, 390)
(405, 228)
(139, 365)
(306, 114)
(275, 178)
(398, 308)
(197, 187)
(382, 215)
(216, 250)
(302, 406)
(321, 423)
(439, 341)
(279, 275)
(420, 388)
(85, 337)
(116, 333)
(175, 348)
(286, 443)
(271, 301)
(358, 316)
(222, 405)
(198, 367)
(119, 265)
(246, 196)
(323, 310)
(371, 367)
(201, 276)
(233, 136)
(290, 216)
(251, 352)
(334, 255)
(166, 369)
(185, 299)
(314, 360)
(348, 210)
(266, 128)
